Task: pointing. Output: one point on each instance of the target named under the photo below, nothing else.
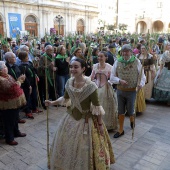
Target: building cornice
(56, 5)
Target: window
(30, 18)
(31, 25)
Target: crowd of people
(99, 83)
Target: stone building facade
(81, 16)
(38, 16)
(108, 11)
(144, 16)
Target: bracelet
(100, 124)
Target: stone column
(45, 22)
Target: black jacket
(110, 59)
(13, 70)
(30, 73)
(63, 67)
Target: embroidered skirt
(72, 149)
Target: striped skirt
(140, 101)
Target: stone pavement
(149, 150)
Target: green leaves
(111, 27)
(123, 27)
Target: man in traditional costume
(127, 73)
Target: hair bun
(82, 58)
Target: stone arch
(30, 18)
(27, 16)
(1, 25)
(80, 26)
(31, 24)
(158, 26)
(59, 25)
(141, 27)
(1, 20)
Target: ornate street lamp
(59, 19)
(143, 15)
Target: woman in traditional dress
(149, 70)
(107, 97)
(81, 141)
(162, 80)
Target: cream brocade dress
(78, 144)
(107, 96)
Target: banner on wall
(14, 24)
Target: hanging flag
(14, 24)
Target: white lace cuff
(19, 83)
(63, 101)
(97, 110)
(110, 82)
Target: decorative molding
(37, 19)
(71, 11)
(2, 17)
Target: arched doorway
(141, 27)
(158, 26)
(1, 26)
(80, 26)
(59, 25)
(31, 25)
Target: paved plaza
(149, 150)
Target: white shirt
(115, 80)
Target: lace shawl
(78, 95)
(106, 70)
